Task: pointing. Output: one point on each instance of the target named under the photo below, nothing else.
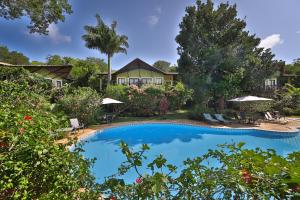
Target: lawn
(179, 114)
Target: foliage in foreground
(241, 174)
(32, 166)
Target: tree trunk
(221, 103)
(109, 70)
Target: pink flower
(246, 176)
(22, 130)
(139, 180)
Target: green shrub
(36, 82)
(32, 165)
(142, 104)
(145, 100)
(118, 92)
(178, 95)
(196, 112)
(82, 103)
(287, 100)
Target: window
(159, 81)
(121, 81)
(58, 84)
(133, 81)
(146, 80)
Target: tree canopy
(216, 52)
(12, 57)
(40, 12)
(105, 39)
(165, 66)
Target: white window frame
(133, 78)
(121, 78)
(270, 81)
(146, 78)
(159, 78)
(57, 85)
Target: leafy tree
(162, 65)
(215, 51)
(165, 66)
(55, 60)
(105, 39)
(12, 57)
(41, 12)
(293, 69)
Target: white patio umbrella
(106, 101)
(250, 98)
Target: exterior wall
(48, 75)
(141, 73)
(271, 83)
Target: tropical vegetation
(105, 39)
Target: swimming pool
(176, 142)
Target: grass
(179, 114)
(294, 116)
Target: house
(138, 72)
(56, 73)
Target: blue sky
(152, 26)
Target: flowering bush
(240, 174)
(178, 95)
(82, 103)
(145, 100)
(32, 165)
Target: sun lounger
(209, 118)
(75, 124)
(270, 118)
(221, 119)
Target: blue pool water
(176, 142)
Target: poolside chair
(270, 118)
(209, 119)
(75, 124)
(221, 119)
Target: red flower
(246, 176)
(139, 180)
(3, 145)
(22, 130)
(112, 198)
(27, 117)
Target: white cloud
(153, 20)
(158, 9)
(53, 34)
(56, 36)
(271, 41)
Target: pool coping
(90, 132)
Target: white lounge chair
(270, 118)
(209, 118)
(221, 119)
(75, 124)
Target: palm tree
(105, 39)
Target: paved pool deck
(292, 126)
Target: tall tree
(12, 57)
(162, 65)
(214, 50)
(105, 39)
(41, 12)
